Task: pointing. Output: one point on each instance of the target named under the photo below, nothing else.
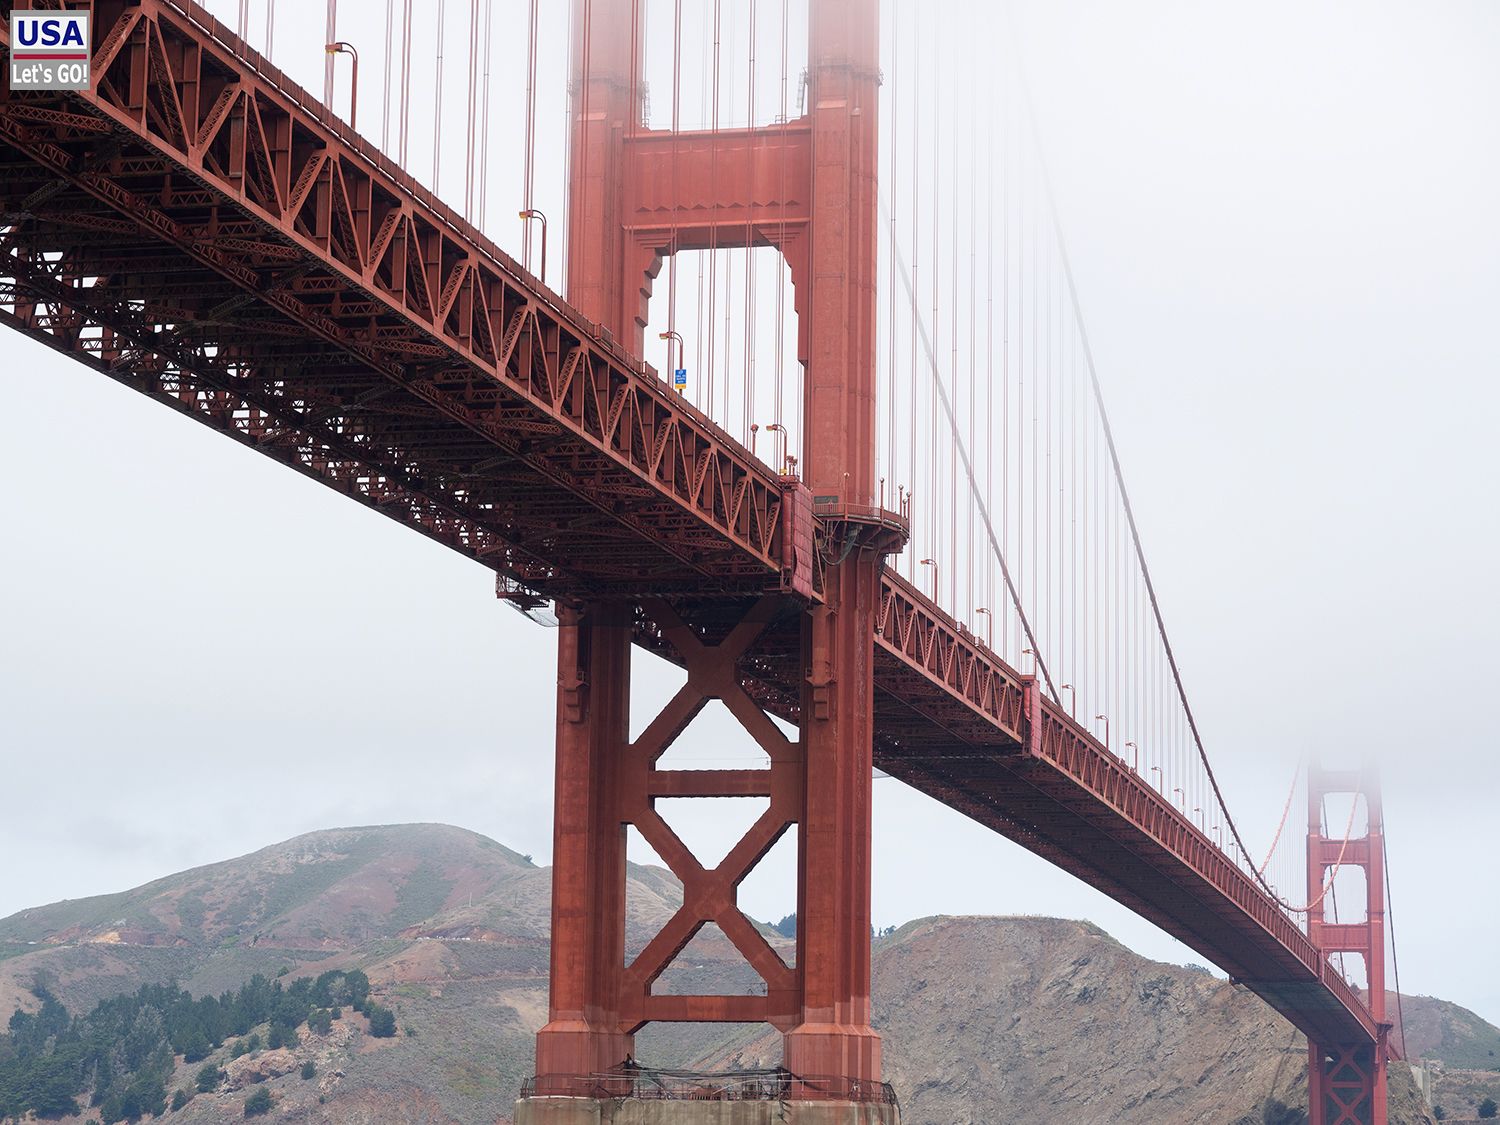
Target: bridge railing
(451, 320)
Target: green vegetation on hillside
(121, 1055)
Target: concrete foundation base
(629, 1111)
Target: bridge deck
(200, 229)
(203, 232)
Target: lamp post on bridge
(778, 428)
(533, 213)
(1105, 720)
(1135, 757)
(1157, 770)
(672, 335)
(989, 630)
(342, 48)
(1072, 697)
(933, 564)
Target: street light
(1182, 803)
(1135, 758)
(932, 563)
(342, 48)
(1072, 697)
(533, 213)
(1157, 770)
(1031, 652)
(778, 428)
(1105, 720)
(668, 336)
(989, 628)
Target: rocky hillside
(984, 1019)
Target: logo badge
(49, 50)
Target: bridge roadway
(204, 232)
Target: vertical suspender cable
(484, 115)
(528, 174)
(988, 590)
(676, 198)
(713, 236)
(974, 306)
(916, 260)
(330, 35)
(405, 130)
(933, 487)
(437, 102)
(750, 257)
(893, 144)
(778, 410)
(270, 27)
(472, 117)
(385, 111)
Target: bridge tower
(1347, 1082)
(808, 188)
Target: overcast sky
(1283, 227)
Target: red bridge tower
(638, 195)
(1346, 1082)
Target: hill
(984, 1019)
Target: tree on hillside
(382, 1022)
(787, 927)
(208, 1078)
(1440, 1113)
(258, 1103)
(281, 1035)
(195, 1046)
(1488, 1108)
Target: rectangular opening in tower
(735, 352)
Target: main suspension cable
(984, 511)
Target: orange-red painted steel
(1347, 1073)
(630, 194)
(325, 308)
(202, 231)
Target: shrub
(382, 1021)
(319, 1021)
(281, 1035)
(209, 1078)
(309, 1069)
(258, 1103)
(1488, 1108)
(1440, 1113)
(180, 1099)
(195, 1047)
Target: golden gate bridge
(872, 503)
